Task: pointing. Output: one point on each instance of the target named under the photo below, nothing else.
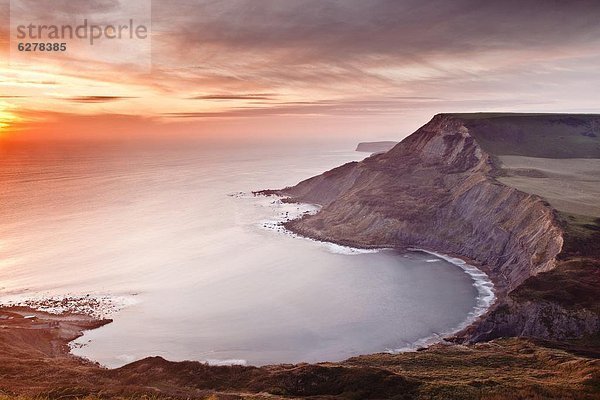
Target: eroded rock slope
(437, 189)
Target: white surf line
(481, 281)
(95, 305)
(292, 211)
(485, 298)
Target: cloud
(351, 48)
(308, 30)
(339, 59)
(256, 96)
(373, 107)
(96, 99)
(54, 8)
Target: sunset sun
(7, 119)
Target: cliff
(437, 189)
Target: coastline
(501, 360)
(35, 364)
(39, 364)
(486, 297)
(484, 283)
(98, 306)
(36, 332)
(290, 211)
(481, 280)
(64, 308)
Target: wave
(346, 250)
(290, 211)
(481, 281)
(485, 298)
(96, 305)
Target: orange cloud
(312, 66)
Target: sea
(168, 241)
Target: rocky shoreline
(481, 275)
(438, 190)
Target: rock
(437, 190)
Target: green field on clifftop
(536, 135)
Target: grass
(505, 368)
(132, 397)
(510, 368)
(536, 135)
(573, 284)
(488, 115)
(581, 234)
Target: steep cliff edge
(437, 189)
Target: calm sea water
(203, 280)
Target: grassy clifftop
(536, 135)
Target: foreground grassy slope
(502, 369)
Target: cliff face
(436, 190)
(560, 304)
(540, 319)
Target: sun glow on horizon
(328, 70)
(7, 119)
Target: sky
(365, 70)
